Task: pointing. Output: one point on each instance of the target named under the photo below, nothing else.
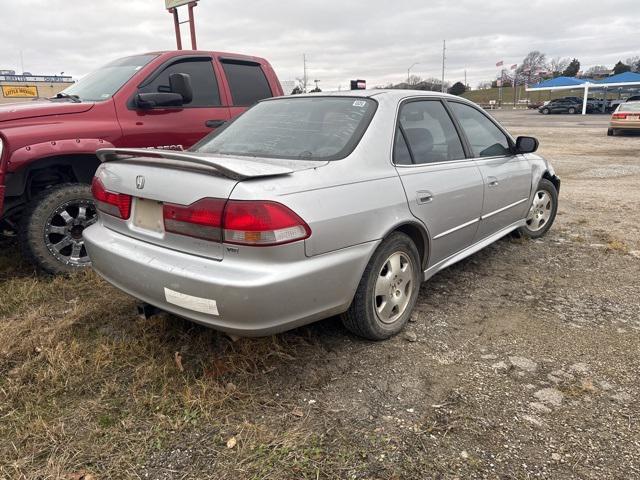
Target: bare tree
(634, 63)
(534, 61)
(414, 80)
(558, 65)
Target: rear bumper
(252, 298)
(625, 125)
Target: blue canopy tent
(625, 80)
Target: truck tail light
(202, 219)
(619, 116)
(116, 204)
(257, 223)
(262, 223)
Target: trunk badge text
(139, 182)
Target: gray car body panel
(349, 204)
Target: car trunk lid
(157, 178)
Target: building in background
(26, 87)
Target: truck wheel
(387, 291)
(50, 232)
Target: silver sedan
(310, 206)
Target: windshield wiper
(73, 98)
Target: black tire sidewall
(362, 310)
(551, 189)
(35, 218)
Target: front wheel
(572, 110)
(546, 111)
(52, 225)
(388, 290)
(543, 210)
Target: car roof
(388, 94)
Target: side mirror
(526, 144)
(181, 83)
(146, 101)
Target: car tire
(395, 273)
(572, 111)
(50, 231)
(545, 111)
(542, 212)
(610, 132)
(616, 133)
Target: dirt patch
(521, 362)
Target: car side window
(401, 155)
(429, 132)
(486, 139)
(203, 81)
(247, 82)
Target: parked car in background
(310, 206)
(48, 147)
(625, 119)
(561, 105)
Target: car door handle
(424, 196)
(492, 181)
(214, 123)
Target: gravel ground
(520, 362)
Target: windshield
(305, 128)
(104, 82)
(629, 107)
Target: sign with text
(175, 3)
(19, 91)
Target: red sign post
(172, 7)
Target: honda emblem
(139, 182)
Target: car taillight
(116, 204)
(250, 222)
(201, 219)
(619, 116)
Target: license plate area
(147, 215)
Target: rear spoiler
(232, 167)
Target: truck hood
(40, 108)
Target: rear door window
(429, 132)
(203, 81)
(486, 139)
(247, 82)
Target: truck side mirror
(146, 101)
(181, 83)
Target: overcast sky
(374, 39)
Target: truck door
(247, 83)
(175, 126)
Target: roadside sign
(175, 3)
(19, 91)
(358, 85)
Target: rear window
(246, 82)
(630, 107)
(303, 128)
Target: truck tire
(50, 232)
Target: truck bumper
(231, 295)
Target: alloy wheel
(63, 232)
(394, 287)
(540, 211)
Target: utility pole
(409, 71)
(444, 49)
(465, 80)
(304, 75)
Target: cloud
(375, 40)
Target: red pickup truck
(160, 99)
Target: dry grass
(86, 386)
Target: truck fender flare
(55, 148)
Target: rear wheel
(543, 210)
(546, 111)
(52, 225)
(610, 132)
(572, 110)
(387, 291)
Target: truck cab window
(246, 81)
(203, 80)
